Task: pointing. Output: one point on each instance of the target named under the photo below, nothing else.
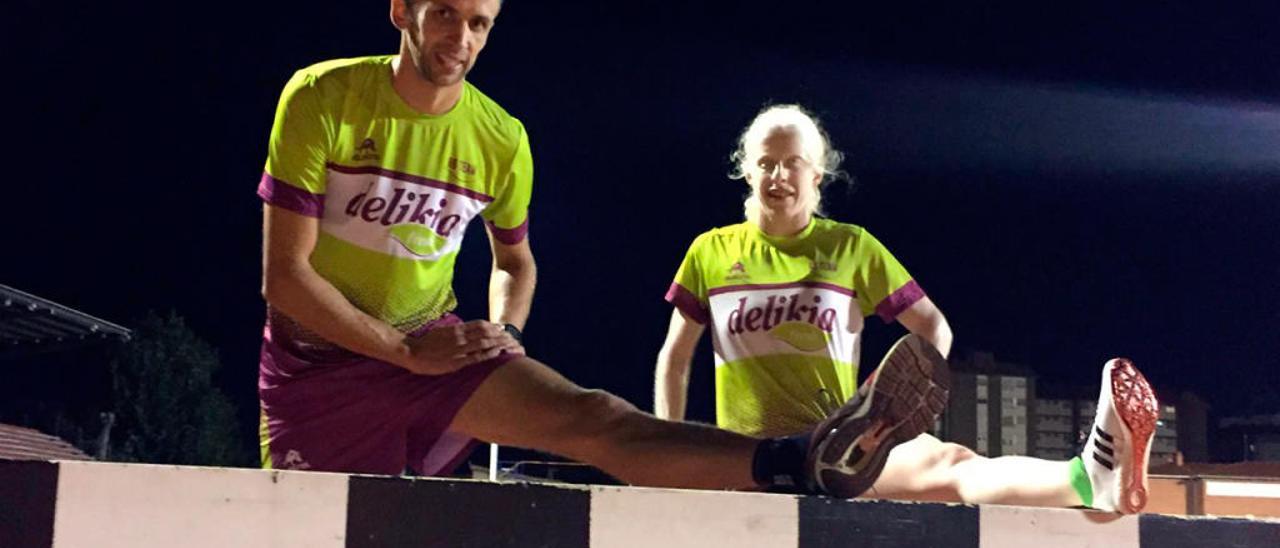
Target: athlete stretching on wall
(785, 294)
(374, 168)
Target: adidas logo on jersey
(368, 150)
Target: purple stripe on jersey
(409, 178)
(899, 300)
(284, 195)
(510, 236)
(687, 303)
(757, 287)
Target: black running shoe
(900, 400)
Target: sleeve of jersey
(689, 291)
(508, 215)
(883, 284)
(294, 177)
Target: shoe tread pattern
(909, 390)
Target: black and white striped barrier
(73, 504)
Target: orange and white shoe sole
(1135, 403)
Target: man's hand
(453, 347)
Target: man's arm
(924, 319)
(511, 281)
(292, 286)
(671, 377)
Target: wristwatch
(514, 331)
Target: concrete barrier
(74, 504)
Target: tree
(166, 406)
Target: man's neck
(418, 92)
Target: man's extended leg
(526, 404)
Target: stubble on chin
(423, 66)
(422, 61)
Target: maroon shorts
(347, 413)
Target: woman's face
(784, 181)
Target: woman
(786, 293)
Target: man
(374, 168)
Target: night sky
(1068, 183)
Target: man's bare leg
(526, 404)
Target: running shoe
(899, 401)
(1119, 446)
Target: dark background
(1067, 182)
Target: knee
(598, 424)
(935, 454)
(942, 474)
(949, 454)
(594, 411)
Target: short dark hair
(410, 3)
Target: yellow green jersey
(786, 315)
(393, 189)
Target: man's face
(445, 36)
